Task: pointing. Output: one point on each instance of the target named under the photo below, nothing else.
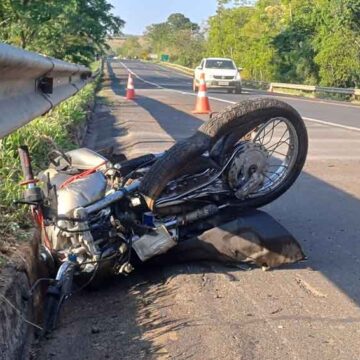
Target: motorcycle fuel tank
(81, 193)
(82, 159)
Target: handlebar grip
(26, 163)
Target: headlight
(238, 77)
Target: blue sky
(140, 13)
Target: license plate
(223, 83)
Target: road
(207, 311)
(343, 114)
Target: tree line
(296, 41)
(299, 41)
(72, 30)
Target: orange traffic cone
(202, 101)
(130, 90)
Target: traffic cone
(202, 101)
(130, 90)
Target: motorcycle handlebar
(112, 198)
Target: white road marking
(322, 122)
(280, 95)
(332, 158)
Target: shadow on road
(323, 218)
(176, 123)
(116, 322)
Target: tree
(178, 21)
(179, 37)
(74, 30)
(294, 59)
(305, 41)
(131, 48)
(337, 43)
(245, 34)
(159, 36)
(225, 35)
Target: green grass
(59, 125)
(95, 66)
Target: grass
(58, 125)
(94, 66)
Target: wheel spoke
(271, 181)
(272, 133)
(280, 142)
(281, 147)
(278, 152)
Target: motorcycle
(98, 217)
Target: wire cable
(22, 317)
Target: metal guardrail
(262, 85)
(345, 91)
(310, 88)
(353, 93)
(32, 84)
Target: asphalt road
(206, 311)
(314, 110)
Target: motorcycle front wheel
(266, 122)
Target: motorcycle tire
(238, 119)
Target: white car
(220, 73)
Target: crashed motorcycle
(99, 217)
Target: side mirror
(240, 69)
(198, 68)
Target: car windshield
(220, 64)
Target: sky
(140, 13)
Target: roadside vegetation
(315, 42)
(59, 125)
(72, 30)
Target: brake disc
(246, 171)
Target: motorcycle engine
(64, 233)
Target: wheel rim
(279, 140)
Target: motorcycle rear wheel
(232, 124)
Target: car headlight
(238, 77)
